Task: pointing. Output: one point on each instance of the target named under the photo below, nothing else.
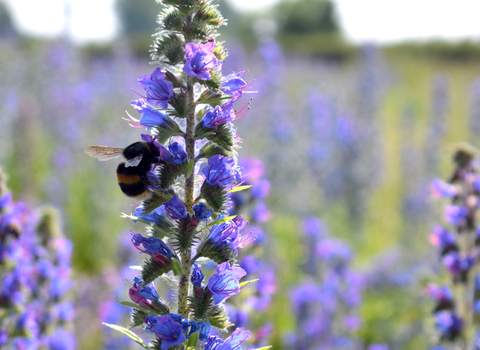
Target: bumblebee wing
(134, 161)
(104, 153)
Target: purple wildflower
(200, 60)
(165, 328)
(230, 234)
(225, 283)
(260, 189)
(252, 170)
(449, 324)
(260, 213)
(201, 211)
(148, 116)
(178, 153)
(197, 275)
(234, 83)
(220, 171)
(440, 188)
(159, 91)
(153, 246)
(61, 340)
(157, 216)
(444, 239)
(233, 342)
(443, 296)
(458, 265)
(176, 209)
(456, 215)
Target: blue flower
(440, 188)
(220, 171)
(233, 342)
(200, 60)
(175, 209)
(157, 216)
(148, 116)
(201, 211)
(225, 283)
(166, 329)
(61, 340)
(233, 83)
(178, 153)
(151, 245)
(197, 275)
(444, 239)
(260, 189)
(230, 234)
(449, 324)
(159, 91)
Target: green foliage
(137, 16)
(184, 235)
(211, 149)
(306, 16)
(152, 269)
(171, 46)
(219, 318)
(137, 317)
(216, 196)
(200, 303)
(129, 334)
(215, 79)
(168, 173)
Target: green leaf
(189, 168)
(128, 333)
(141, 308)
(192, 342)
(177, 267)
(247, 282)
(221, 221)
(238, 188)
(264, 348)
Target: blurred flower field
(347, 151)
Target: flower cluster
(35, 274)
(457, 244)
(325, 305)
(189, 113)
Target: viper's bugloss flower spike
(444, 239)
(158, 90)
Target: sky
(380, 21)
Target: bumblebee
(132, 174)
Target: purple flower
(260, 213)
(443, 239)
(148, 116)
(449, 324)
(458, 265)
(61, 340)
(65, 311)
(233, 342)
(3, 337)
(201, 211)
(456, 215)
(158, 90)
(230, 234)
(225, 113)
(314, 227)
(440, 188)
(152, 245)
(225, 283)
(252, 170)
(178, 153)
(331, 250)
(233, 83)
(443, 296)
(250, 264)
(220, 171)
(200, 59)
(197, 275)
(165, 328)
(157, 216)
(260, 189)
(238, 317)
(176, 209)
(144, 295)
(378, 347)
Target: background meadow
(349, 134)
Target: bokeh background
(359, 106)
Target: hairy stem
(186, 255)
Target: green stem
(186, 256)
